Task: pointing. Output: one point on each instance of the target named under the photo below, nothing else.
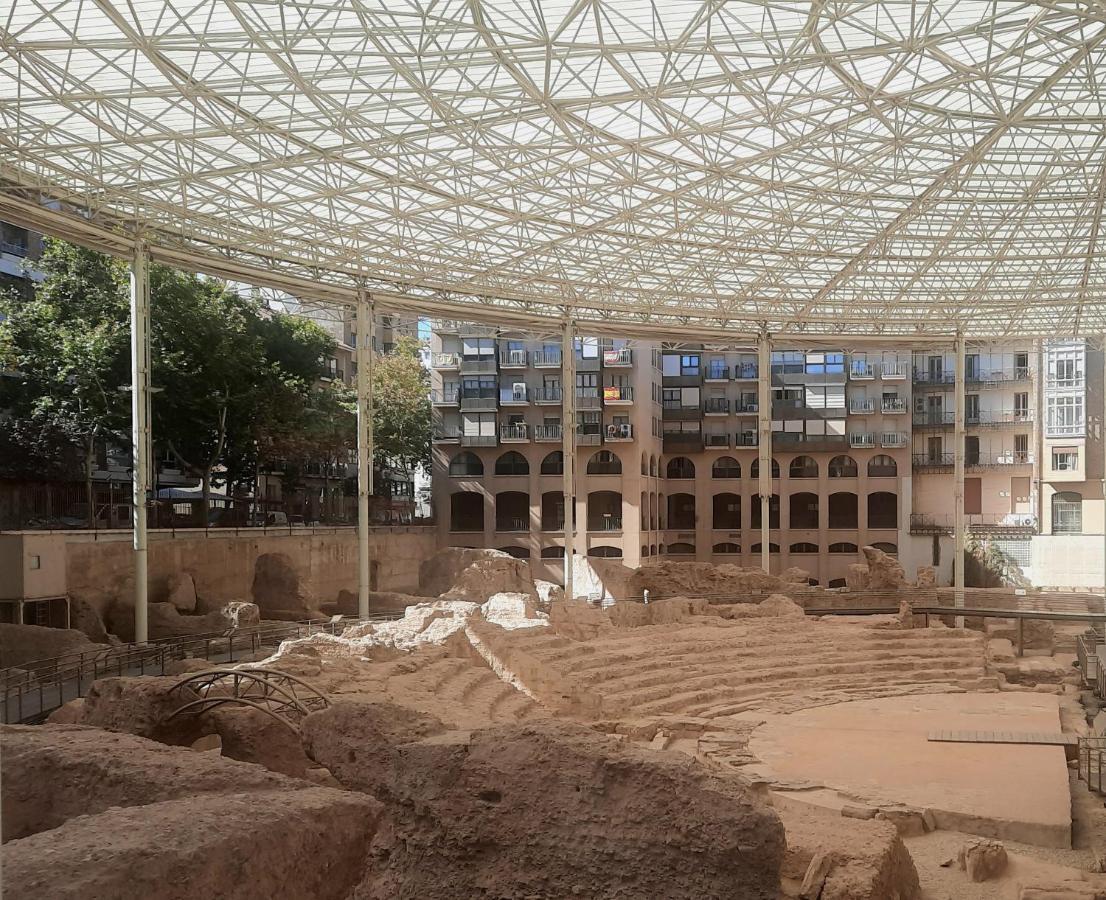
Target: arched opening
(843, 510)
(754, 469)
(605, 552)
(842, 547)
(803, 509)
(1067, 512)
(512, 511)
(727, 547)
(516, 551)
(604, 463)
(773, 511)
(552, 552)
(604, 511)
(512, 463)
(652, 549)
(653, 466)
(842, 467)
(653, 511)
(553, 511)
(466, 511)
(772, 547)
(725, 467)
(681, 511)
(663, 550)
(803, 547)
(466, 465)
(644, 551)
(681, 549)
(553, 464)
(887, 547)
(643, 510)
(802, 467)
(882, 466)
(727, 511)
(883, 510)
(680, 467)
(644, 469)
(662, 511)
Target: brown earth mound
(438, 573)
(142, 705)
(52, 773)
(553, 810)
(20, 644)
(725, 583)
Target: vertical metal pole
(1102, 437)
(568, 446)
(958, 483)
(364, 356)
(140, 430)
(764, 446)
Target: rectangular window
(1065, 459)
(689, 364)
(671, 365)
(474, 347)
(1065, 415)
(587, 347)
(1021, 405)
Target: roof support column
(140, 430)
(958, 482)
(568, 448)
(764, 446)
(366, 319)
(1102, 435)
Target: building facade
(667, 455)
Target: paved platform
(878, 751)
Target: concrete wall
(98, 566)
(1067, 561)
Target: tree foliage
(401, 407)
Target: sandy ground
(877, 750)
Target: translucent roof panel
(809, 168)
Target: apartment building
(862, 451)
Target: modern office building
(863, 451)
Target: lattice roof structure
(878, 168)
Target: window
(842, 547)
(725, 467)
(477, 347)
(552, 552)
(830, 396)
(689, 364)
(553, 464)
(1067, 513)
(726, 547)
(883, 466)
(680, 467)
(1021, 405)
(788, 362)
(825, 363)
(804, 547)
(466, 464)
(604, 463)
(842, 467)
(1065, 459)
(605, 552)
(803, 467)
(1065, 415)
(587, 347)
(512, 463)
(681, 548)
(772, 548)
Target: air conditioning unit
(518, 390)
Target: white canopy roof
(671, 167)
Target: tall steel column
(764, 446)
(140, 430)
(1102, 435)
(364, 355)
(568, 446)
(958, 482)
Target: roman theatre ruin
(680, 730)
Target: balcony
(862, 407)
(447, 397)
(894, 371)
(546, 359)
(546, 396)
(936, 378)
(998, 376)
(716, 406)
(932, 461)
(509, 524)
(621, 358)
(588, 436)
(478, 365)
(996, 418)
(447, 326)
(716, 440)
(745, 372)
(746, 439)
(1020, 524)
(808, 442)
(519, 395)
(587, 398)
(746, 408)
(446, 361)
(933, 418)
(716, 373)
(513, 359)
(478, 398)
(618, 395)
(447, 434)
(861, 371)
(515, 433)
(998, 460)
(893, 440)
(548, 433)
(687, 441)
(620, 432)
(862, 440)
(895, 406)
(478, 440)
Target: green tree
(401, 408)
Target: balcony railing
(740, 407)
(587, 398)
(446, 434)
(512, 359)
(893, 439)
(512, 524)
(862, 371)
(745, 439)
(547, 395)
(1009, 523)
(478, 398)
(893, 406)
(605, 522)
(447, 397)
(514, 433)
(547, 433)
(446, 360)
(999, 459)
(546, 359)
(717, 440)
(999, 376)
(716, 406)
(588, 438)
(620, 432)
(862, 407)
(514, 396)
(933, 418)
(679, 404)
(894, 371)
(613, 359)
(932, 460)
(997, 417)
(478, 440)
(862, 439)
(745, 372)
(924, 376)
(478, 365)
(716, 373)
(553, 524)
(618, 394)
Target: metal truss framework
(884, 168)
(285, 697)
